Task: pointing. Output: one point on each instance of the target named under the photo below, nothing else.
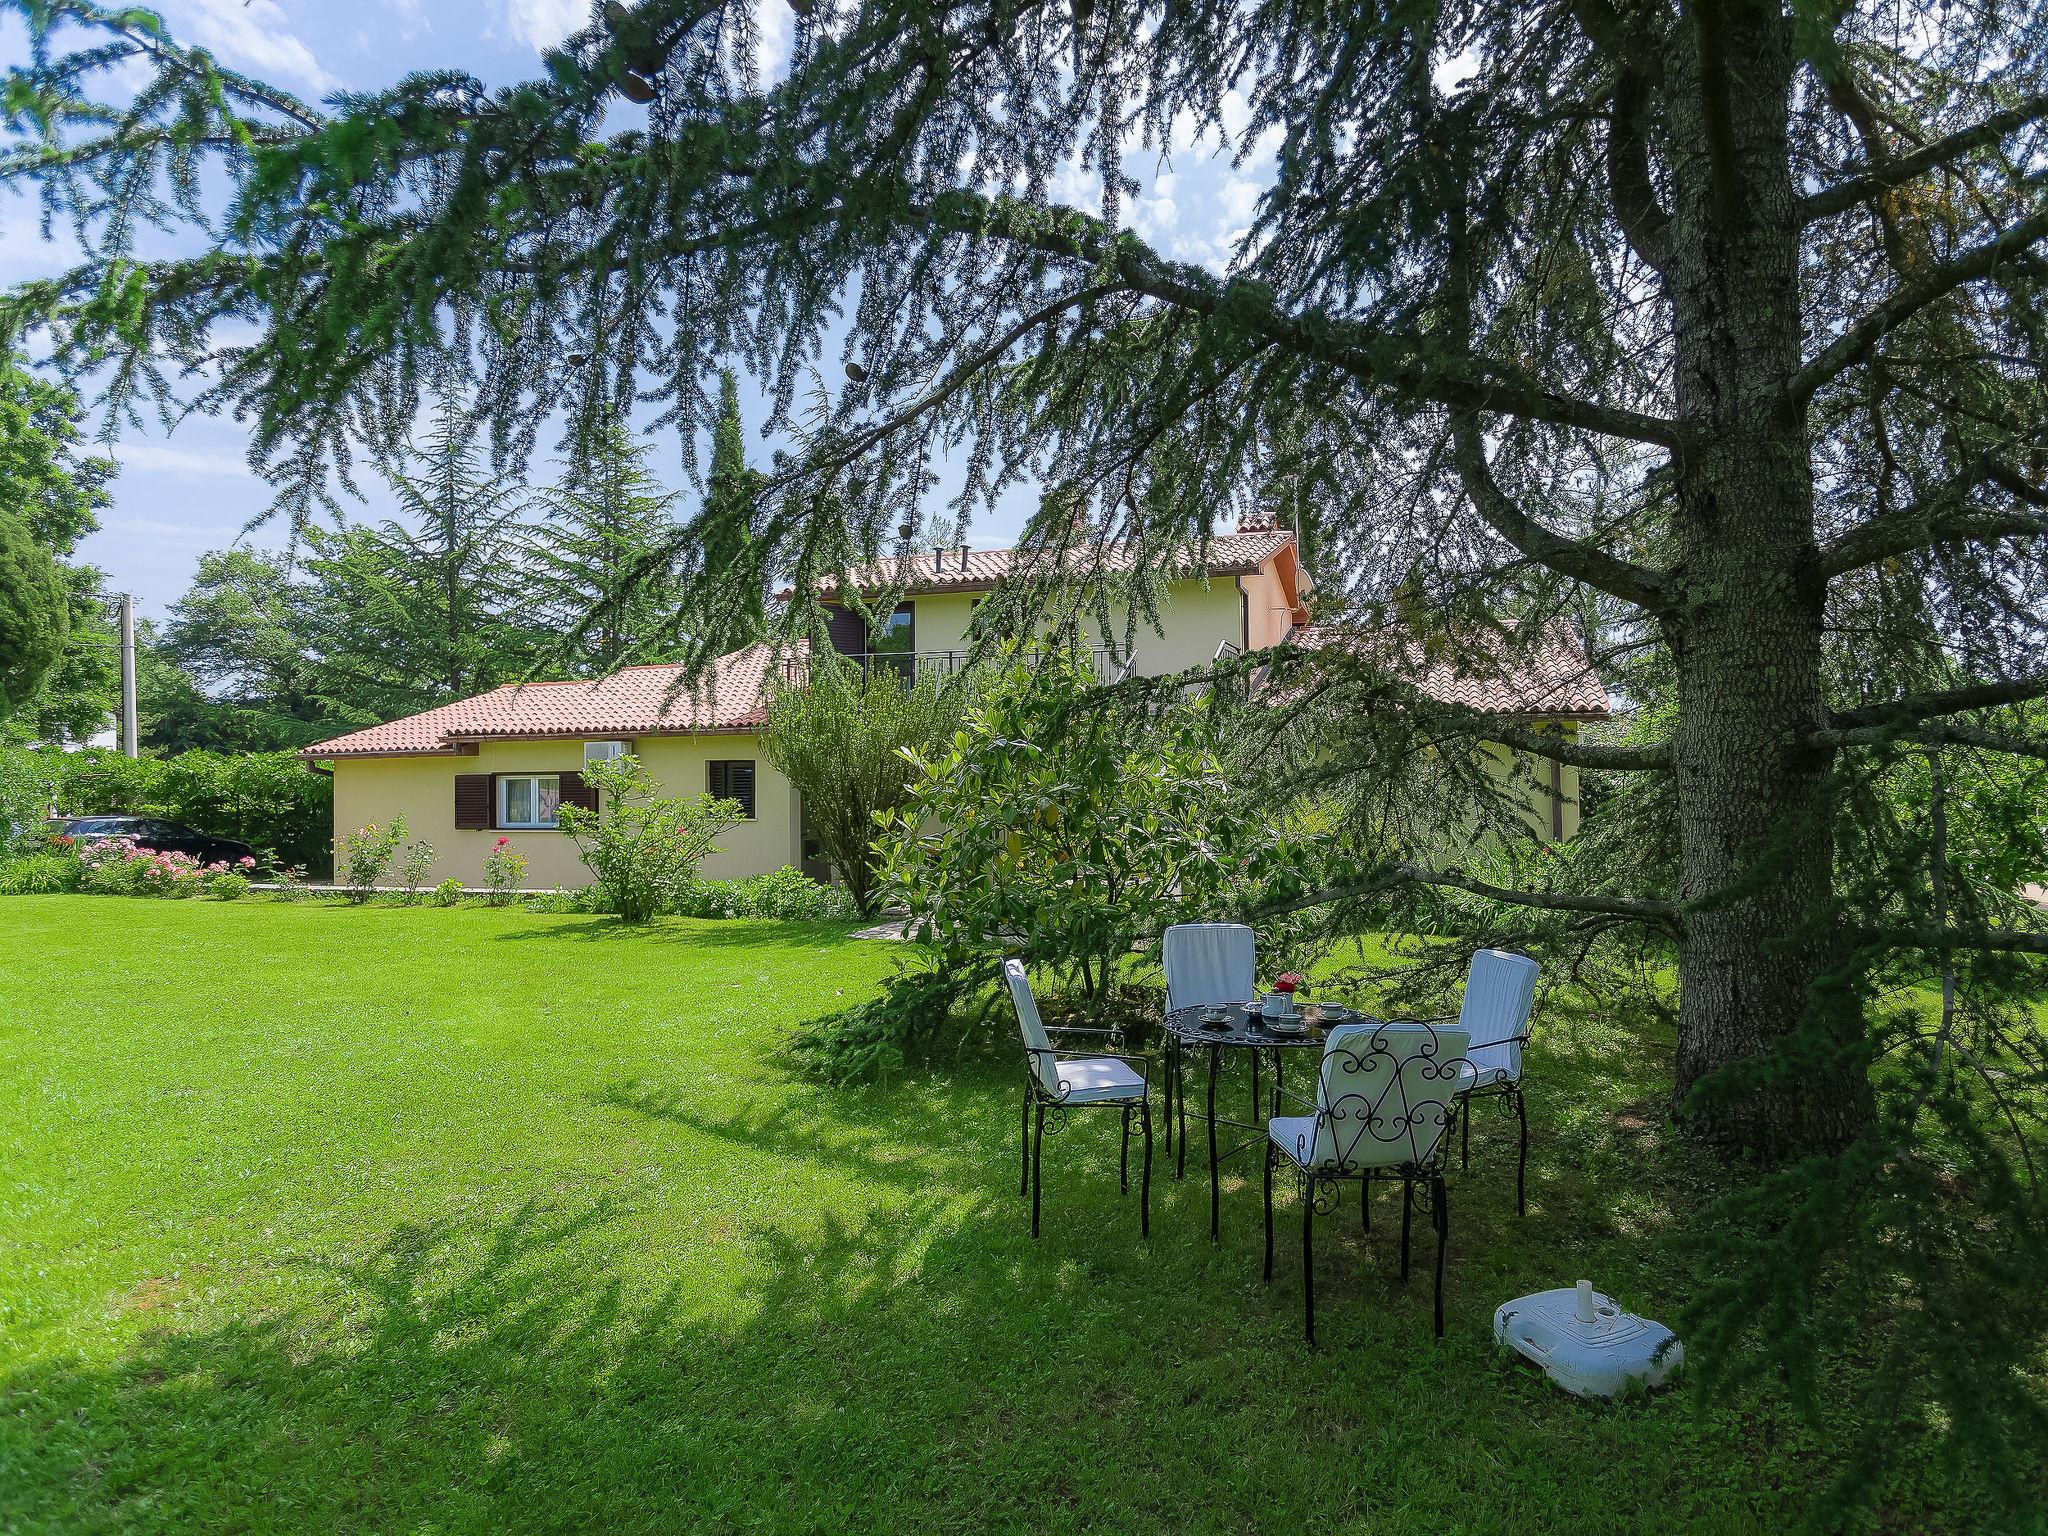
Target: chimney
(963, 559)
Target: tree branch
(1904, 168)
(1944, 517)
(1373, 356)
(1645, 224)
(1632, 583)
(1914, 708)
(1935, 283)
(1576, 754)
(1995, 940)
(1408, 872)
(1953, 734)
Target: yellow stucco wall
(423, 790)
(1194, 619)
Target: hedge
(269, 800)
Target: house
(499, 765)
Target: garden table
(1242, 1030)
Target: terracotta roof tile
(1551, 678)
(634, 701)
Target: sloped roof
(1551, 678)
(651, 700)
(948, 570)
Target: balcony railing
(919, 665)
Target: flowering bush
(504, 871)
(365, 854)
(117, 866)
(412, 869)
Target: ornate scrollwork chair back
(1385, 1095)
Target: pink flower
(503, 841)
(246, 862)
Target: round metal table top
(1243, 1026)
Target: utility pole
(129, 746)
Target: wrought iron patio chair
(1385, 1095)
(1059, 1080)
(1500, 991)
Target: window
(529, 801)
(733, 779)
(895, 635)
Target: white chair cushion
(1096, 1080)
(1293, 1135)
(1499, 991)
(1209, 963)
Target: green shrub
(225, 885)
(40, 874)
(643, 848)
(839, 737)
(447, 893)
(787, 895)
(412, 869)
(872, 1039)
(1071, 828)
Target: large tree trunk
(1752, 795)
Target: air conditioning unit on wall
(605, 751)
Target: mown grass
(389, 1219)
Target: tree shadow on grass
(906, 1358)
(916, 1368)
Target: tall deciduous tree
(35, 616)
(58, 490)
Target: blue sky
(191, 491)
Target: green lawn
(324, 1219)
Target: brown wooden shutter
(577, 793)
(849, 636)
(476, 796)
(733, 779)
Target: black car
(159, 833)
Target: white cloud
(183, 463)
(773, 38)
(254, 35)
(540, 24)
(1237, 199)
